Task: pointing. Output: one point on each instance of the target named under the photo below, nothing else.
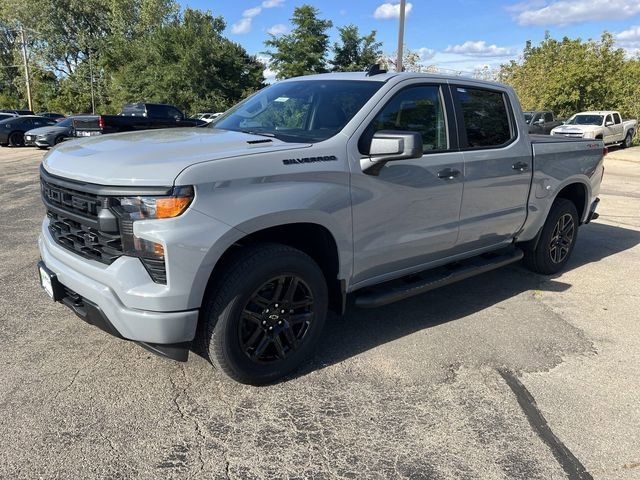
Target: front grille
(84, 240)
(74, 223)
(571, 135)
(74, 201)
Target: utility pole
(93, 101)
(26, 66)
(403, 4)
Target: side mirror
(390, 145)
(540, 122)
(608, 124)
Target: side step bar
(396, 290)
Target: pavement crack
(569, 463)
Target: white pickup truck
(607, 126)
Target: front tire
(263, 316)
(557, 239)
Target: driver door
(407, 215)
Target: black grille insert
(83, 239)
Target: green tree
(186, 62)
(304, 50)
(572, 75)
(355, 53)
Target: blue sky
(451, 34)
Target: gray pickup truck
(541, 122)
(235, 240)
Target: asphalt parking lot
(506, 375)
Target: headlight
(149, 208)
(131, 209)
(589, 135)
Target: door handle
(448, 173)
(520, 166)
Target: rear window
(485, 116)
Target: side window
(548, 117)
(416, 109)
(486, 118)
(608, 119)
(616, 118)
(173, 112)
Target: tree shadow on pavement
(360, 330)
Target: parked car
(134, 116)
(53, 115)
(50, 135)
(602, 125)
(237, 238)
(207, 117)
(17, 112)
(541, 122)
(12, 129)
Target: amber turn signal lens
(171, 206)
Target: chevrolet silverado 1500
(236, 239)
(606, 126)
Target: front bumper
(88, 282)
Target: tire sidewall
(627, 140)
(224, 341)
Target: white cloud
(480, 49)
(629, 40)
(388, 11)
(242, 26)
(565, 12)
(272, 3)
(278, 29)
(426, 53)
(252, 12)
(269, 75)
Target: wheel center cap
(274, 316)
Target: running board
(396, 290)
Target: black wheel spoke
(291, 337)
(254, 337)
(276, 319)
(291, 290)
(300, 318)
(262, 346)
(252, 317)
(279, 347)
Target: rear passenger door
(618, 128)
(497, 167)
(406, 215)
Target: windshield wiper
(257, 132)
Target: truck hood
(577, 128)
(151, 157)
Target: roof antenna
(375, 70)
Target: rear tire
(16, 139)
(557, 239)
(264, 314)
(628, 140)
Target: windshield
(528, 116)
(585, 120)
(299, 111)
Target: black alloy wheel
(276, 319)
(562, 238)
